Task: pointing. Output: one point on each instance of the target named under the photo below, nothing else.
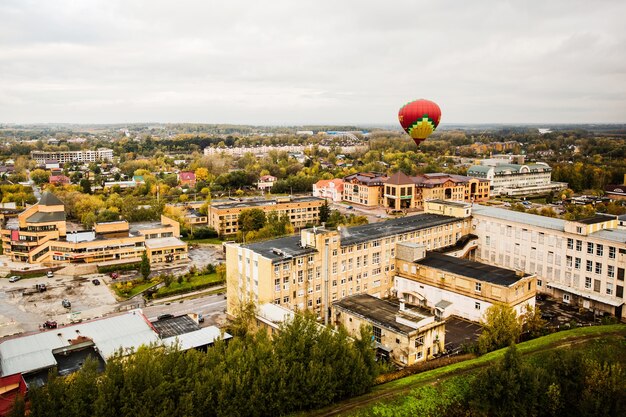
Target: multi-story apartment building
(302, 211)
(404, 334)
(102, 154)
(405, 193)
(517, 180)
(460, 287)
(39, 235)
(364, 188)
(321, 265)
(580, 262)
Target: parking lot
(23, 310)
(558, 314)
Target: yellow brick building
(39, 235)
(302, 211)
(364, 188)
(320, 266)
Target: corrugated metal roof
(33, 352)
(202, 337)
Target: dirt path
(388, 391)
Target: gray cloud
(311, 61)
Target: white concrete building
(329, 189)
(102, 154)
(517, 180)
(580, 262)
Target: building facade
(407, 335)
(320, 266)
(517, 180)
(266, 182)
(39, 235)
(102, 154)
(460, 287)
(364, 188)
(302, 211)
(329, 189)
(405, 193)
(580, 262)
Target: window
(609, 288)
(579, 245)
(487, 240)
(589, 266)
(611, 252)
(590, 247)
(477, 306)
(334, 267)
(376, 258)
(419, 355)
(610, 271)
(599, 249)
(596, 285)
(620, 274)
(566, 298)
(286, 299)
(539, 283)
(478, 287)
(568, 261)
(598, 268)
(419, 341)
(587, 282)
(570, 243)
(577, 263)
(377, 333)
(334, 252)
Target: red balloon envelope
(419, 119)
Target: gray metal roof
(281, 248)
(202, 337)
(45, 217)
(359, 234)
(519, 217)
(34, 352)
(49, 199)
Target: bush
(204, 233)
(105, 269)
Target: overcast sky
(298, 62)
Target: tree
(144, 268)
(251, 219)
(220, 269)
(501, 328)
(85, 186)
(40, 176)
(324, 212)
(532, 323)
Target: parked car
(50, 274)
(200, 318)
(66, 303)
(41, 287)
(114, 275)
(50, 324)
(14, 278)
(95, 281)
(507, 204)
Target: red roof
(338, 182)
(10, 387)
(59, 179)
(187, 176)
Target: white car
(15, 278)
(50, 274)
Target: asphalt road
(212, 307)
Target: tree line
(304, 366)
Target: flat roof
(197, 338)
(471, 269)
(262, 203)
(596, 219)
(146, 225)
(378, 311)
(373, 231)
(450, 203)
(33, 352)
(615, 235)
(164, 242)
(175, 326)
(281, 248)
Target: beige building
(407, 335)
(364, 188)
(302, 211)
(39, 235)
(459, 287)
(579, 262)
(102, 154)
(405, 193)
(320, 266)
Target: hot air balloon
(419, 119)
